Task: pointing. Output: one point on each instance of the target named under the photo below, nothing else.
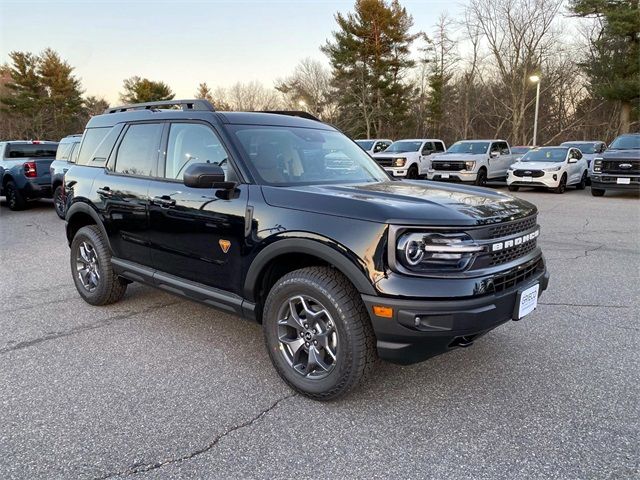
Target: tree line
(467, 77)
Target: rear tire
(597, 192)
(583, 182)
(91, 268)
(58, 202)
(318, 333)
(514, 188)
(15, 200)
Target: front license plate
(624, 181)
(528, 301)
(527, 179)
(444, 175)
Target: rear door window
(137, 153)
(439, 146)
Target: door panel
(123, 203)
(189, 228)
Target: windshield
(626, 142)
(365, 144)
(472, 148)
(305, 156)
(404, 146)
(583, 147)
(31, 150)
(520, 150)
(546, 155)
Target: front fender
(319, 247)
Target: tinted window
(191, 143)
(74, 153)
(138, 151)
(631, 142)
(404, 146)
(91, 139)
(545, 155)
(64, 150)
(365, 144)
(291, 156)
(473, 148)
(428, 147)
(31, 150)
(439, 146)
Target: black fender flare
(310, 247)
(81, 207)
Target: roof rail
(192, 104)
(294, 113)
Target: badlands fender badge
(224, 245)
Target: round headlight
(413, 252)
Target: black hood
(403, 202)
(629, 154)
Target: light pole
(536, 79)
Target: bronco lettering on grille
(514, 242)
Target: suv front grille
(449, 166)
(613, 166)
(384, 161)
(528, 173)
(505, 256)
(516, 276)
(512, 228)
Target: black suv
(618, 168)
(253, 213)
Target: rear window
(31, 150)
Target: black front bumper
(610, 182)
(421, 329)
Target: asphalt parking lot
(159, 387)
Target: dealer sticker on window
(528, 301)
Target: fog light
(555, 177)
(382, 311)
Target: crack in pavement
(142, 468)
(38, 227)
(41, 304)
(82, 328)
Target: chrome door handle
(106, 191)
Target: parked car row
(477, 161)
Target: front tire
(15, 200)
(318, 333)
(91, 268)
(562, 186)
(412, 174)
(597, 192)
(481, 178)
(583, 182)
(58, 202)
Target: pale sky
(182, 43)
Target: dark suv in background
(24, 171)
(66, 155)
(618, 168)
(249, 213)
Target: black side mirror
(206, 175)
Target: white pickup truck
(409, 158)
(472, 161)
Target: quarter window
(191, 143)
(90, 141)
(138, 152)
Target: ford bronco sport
(249, 213)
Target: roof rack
(192, 104)
(294, 113)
